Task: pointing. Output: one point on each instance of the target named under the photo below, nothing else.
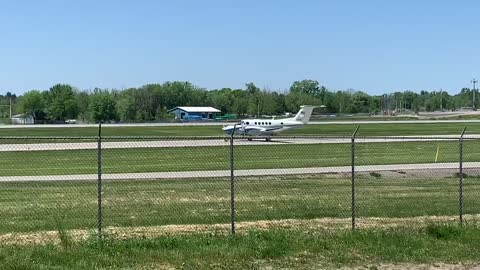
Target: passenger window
(270, 123)
(281, 123)
(255, 123)
(248, 123)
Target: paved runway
(211, 142)
(251, 172)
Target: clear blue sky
(375, 46)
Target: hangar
(194, 113)
(23, 119)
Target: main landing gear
(251, 139)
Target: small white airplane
(267, 127)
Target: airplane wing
(262, 129)
(253, 130)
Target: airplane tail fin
(304, 113)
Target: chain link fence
(151, 185)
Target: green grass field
(40, 206)
(147, 205)
(409, 248)
(325, 129)
(265, 156)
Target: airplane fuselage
(263, 127)
(267, 127)
(271, 126)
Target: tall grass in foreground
(257, 249)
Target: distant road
(250, 172)
(231, 123)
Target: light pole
(474, 81)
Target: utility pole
(10, 106)
(441, 100)
(474, 81)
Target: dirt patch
(329, 224)
(439, 266)
(392, 174)
(41, 237)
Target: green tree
(374, 105)
(269, 102)
(342, 101)
(126, 108)
(294, 100)
(32, 103)
(240, 102)
(61, 102)
(163, 114)
(83, 100)
(309, 87)
(221, 99)
(360, 103)
(102, 106)
(254, 99)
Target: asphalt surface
(211, 142)
(250, 172)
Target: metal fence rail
(183, 183)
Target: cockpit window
(248, 123)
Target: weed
(65, 238)
(444, 232)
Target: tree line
(151, 102)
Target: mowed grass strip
(381, 129)
(44, 206)
(138, 160)
(387, 129)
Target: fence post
(99, 183)
(460, 177)
(353, 177)
(232, 184)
